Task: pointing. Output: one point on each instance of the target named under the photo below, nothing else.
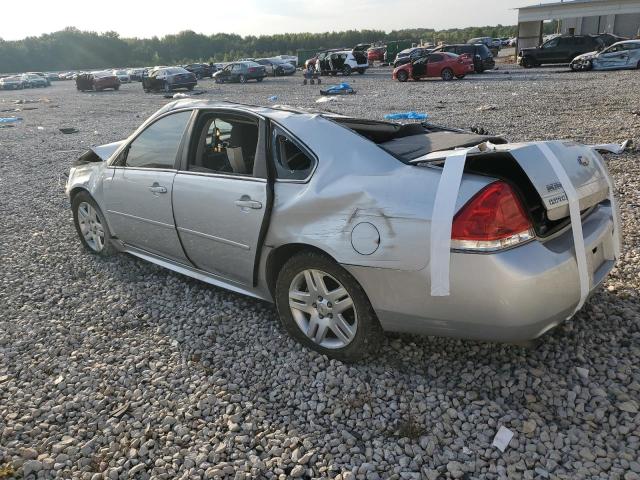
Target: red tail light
(252, 69)
(493, 219)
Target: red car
(444, 65)
(376, 54)
(97, 81)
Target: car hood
(587, 56)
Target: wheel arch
(279, 256)
(76, 190)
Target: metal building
(579, 17)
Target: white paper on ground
(502, 438)
(441, 221)
(576, 222)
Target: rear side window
(157, 146)
(436, 58)
(291, 161)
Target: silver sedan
(332, 218)
(623, 55)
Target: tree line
(72, 49)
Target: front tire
(402, 76)
(91, 225)
(324, 308)
(346, 70)
(528, 62)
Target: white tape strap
(617, 245)
(442, 219)
(576, 222)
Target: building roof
(577, 8)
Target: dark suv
(480, 53)
(200, 70)
(559, 50)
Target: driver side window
(158, 145)
(551, 43)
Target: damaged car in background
(168, 79)
(623, 55)
(339, 234)
(97, 81)
(444, 65)
(345, 62)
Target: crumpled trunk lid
(580, 163)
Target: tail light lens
(492, 220)
(252, 69)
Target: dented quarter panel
(355, 182)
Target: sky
(135, 18)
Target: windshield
(102, 74)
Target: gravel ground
(119, 369)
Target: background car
(136, 74)
(479, 53)
(560, 49)
(276, 67)
(488, 41)
(43, 75)
(13, 82)
(376, 54)
(201, 70)
(122, 75)
(293, 60)
(619, 56)
(97, 81)
(240, 72)
(168, 79)
(445, 65)
(410, 54)
(343, 61)
(32, 80)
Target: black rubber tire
(447, 74)
(84, 196)
(368, 333)
(638, 66)
(190, 87)
(402, 76)
(117, 87)
(242, 78)
(346, 70)
(528, 62)
(361, 71)
(259, 79)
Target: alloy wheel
(91, 226)
(323, 309)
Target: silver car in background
(330, 217)
(623, 55)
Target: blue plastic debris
(273, 98)
(10, 119)
(342, 89)
(406, 116)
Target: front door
(221, 196)
(435, 64)
(138, 195)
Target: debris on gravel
(116, 368)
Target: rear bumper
(511, 296)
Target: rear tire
(361, 71)
(117, 87)
(259, 79)
(312, 313)
(447, 74)
(346, 70)
(402, 76)
(91, 225)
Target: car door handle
(156, 188)
(248, 203)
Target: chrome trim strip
(142, 169)
(222, 175)
(214, 238)
(194, 273)
(146, 220)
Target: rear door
(138, 195)
(221, 195)
(549, 51)
(435, 65)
